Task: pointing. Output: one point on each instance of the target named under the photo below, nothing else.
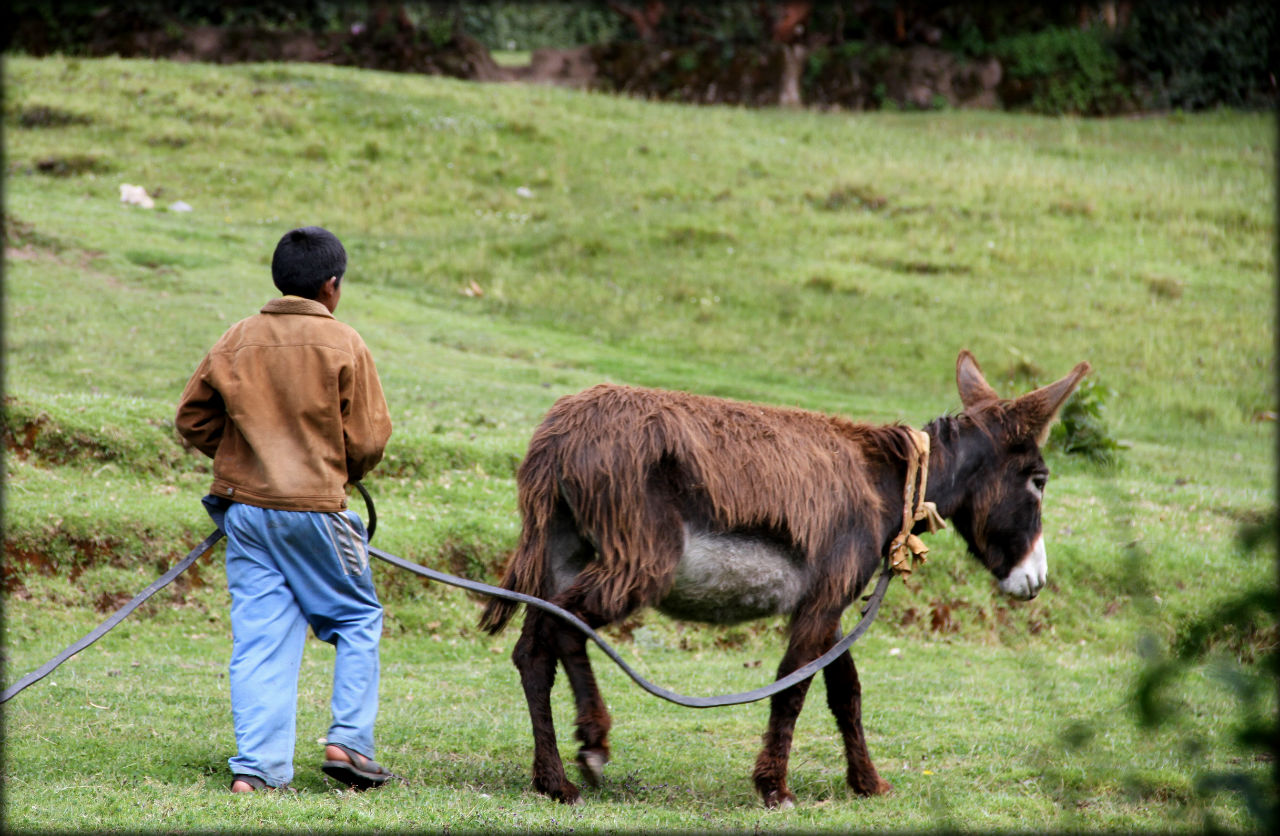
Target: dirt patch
(72, 165)
(111, 601)
(23, 253)
(23, 561)
(42, 116)
(561, 67)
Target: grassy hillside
(509, 245)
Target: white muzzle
(1028, 577)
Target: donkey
(720, 511)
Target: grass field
(509, 245)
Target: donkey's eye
(1038, 482)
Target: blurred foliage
(1238, 643)
(539, 25)
(41, 27)
(1198, 55)
(1058, 58)
(1081, 429)
(1061, 70)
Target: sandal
(356, 771)
(255, 783)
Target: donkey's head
(991, 476)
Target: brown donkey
(719, 511)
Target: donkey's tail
(525, 570)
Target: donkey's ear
(1040, 408)
(973, 387)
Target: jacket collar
(296, 305)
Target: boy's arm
(366, 423)
(202, 414)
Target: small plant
(1082, 429)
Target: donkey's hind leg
(844, 698)
(534, 656)
(599, 596)
(587, 598)
(593, 720)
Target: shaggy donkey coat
(721, 511)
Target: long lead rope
(116, 617)
(800, 674)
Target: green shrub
(527, 26)
(1082, 428)
(1184, 55)
(1061, 70)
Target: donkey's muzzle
(1027, 578)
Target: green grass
(831, 261)
(512, 57)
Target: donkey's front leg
(535, 659)
(844, 698)
(784, 707)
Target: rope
(798, 675)
(905, 552)
(116, 617)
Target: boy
(289, 406)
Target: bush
(1061, 70)
(1195, 56)
(528, 26)
(1081, 429)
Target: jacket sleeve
(366, 423)
(202, 414)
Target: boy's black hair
(305, 259)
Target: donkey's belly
(726, 578)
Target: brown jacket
(289, 406)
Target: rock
(131, 195)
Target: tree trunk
(793, 56)
(788, 30)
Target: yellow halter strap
(907, 550)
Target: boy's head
(305, 259)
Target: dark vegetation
(1079, 58)
(1243, 627)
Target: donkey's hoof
(780, 800)
(568, 794)
(591, 764)
(563, 791)
(869, 787)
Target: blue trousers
(287, 570)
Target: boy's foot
(345, 764)
(252, 783)
(247, 783)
